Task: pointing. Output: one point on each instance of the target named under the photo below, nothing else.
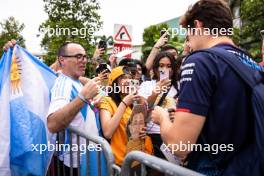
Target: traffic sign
(122, 33)
(118, 48)
(122, 40)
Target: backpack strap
(254, 78)
(241, 69)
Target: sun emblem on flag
(15, 76)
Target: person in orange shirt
(115, 112)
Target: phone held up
(162, 32)
(164, 74)
(102, 44)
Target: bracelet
(157, 47)
(124, 103)
(82, 98)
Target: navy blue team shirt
(210, 88)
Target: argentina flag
(25, 84)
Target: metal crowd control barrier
(58, 168)
(155, 163)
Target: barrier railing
(155, 163)
(74, 165)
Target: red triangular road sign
(122, 35)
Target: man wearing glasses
(70, 98)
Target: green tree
(248, 37)
(69, 20)
(11, 29)
(152, 34)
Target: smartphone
(133, 85)
(162, 32)
(102, 44)
(101, 68)
(164, 74)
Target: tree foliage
(152, 34)
(11, 29)
(69, 20)
(248, 37)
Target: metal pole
(155, 163)
(104, 144)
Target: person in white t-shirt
(70, 98)
(164, 80)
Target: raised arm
(155, 50)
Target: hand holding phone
(162, 32)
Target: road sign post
(122, 39)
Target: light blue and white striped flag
(25, 84)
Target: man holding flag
(69, 105)
(25, 85)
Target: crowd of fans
(191, 97)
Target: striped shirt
(65, 89)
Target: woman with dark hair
(161, 91)
(115, 112)
(165, 60)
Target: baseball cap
(115, 73)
